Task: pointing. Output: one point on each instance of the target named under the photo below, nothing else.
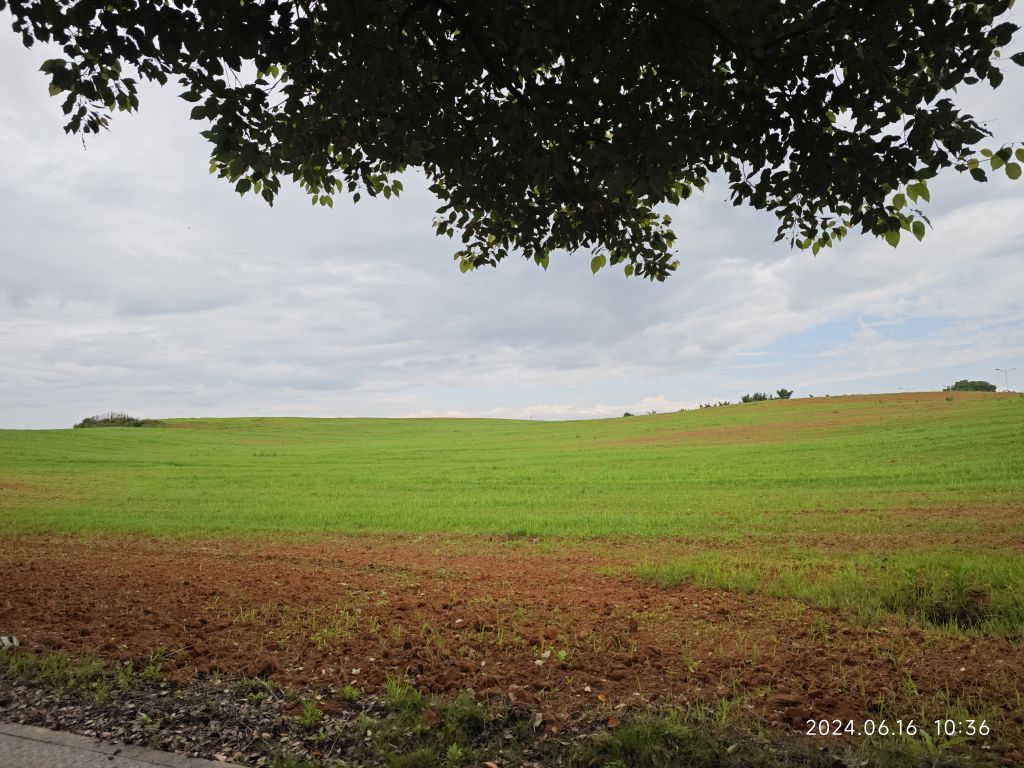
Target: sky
(133, 280)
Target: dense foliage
(758, 397)
(558, 125)
(970, 386)
(114, 419)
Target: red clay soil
(498, 617)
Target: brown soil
(495, 616)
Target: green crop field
(828, 499)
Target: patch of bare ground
(501, 618)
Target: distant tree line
(970, 386)
(114, 419)
(780, 394)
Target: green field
(829, 499)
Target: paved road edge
(88, 744)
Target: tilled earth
(520, 622)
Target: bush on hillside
(970, 386)
(114, 419)
(757, 397)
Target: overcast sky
(133, 280)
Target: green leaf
(55, 89)
(1018, 59)
(899, 201)
(628, 269)
(922, 190)
(996, 162)
(912, 192)
(198, 113)
(1013, 171)
(596, 263)
(1019, 154)
(243, 186)
(191, 96)
(979, 174)
(918, 228)
(893, 238)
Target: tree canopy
(559, 124)
(966, 385)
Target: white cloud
(134, 280)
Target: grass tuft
(653, 742)
(402, 699)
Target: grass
(904, 503)
(964, 591)
(728, 471)
(403, 699)
(311, 714)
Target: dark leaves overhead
(559, 124)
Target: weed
(420, 758)
(653, 742)
(124, 676)
(337, 627)
(257, 690)
(454, 754)
(100, 690)
(148, 725)
(311, 714)
(464, 720)
(246, 615)
(350, 693)
(403, 699)
(944, 597)
(151, 673)
(65, 673)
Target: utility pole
(1006, 375)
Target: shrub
(970, 386)
(114, 419)
(757, 397)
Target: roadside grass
(56, 670)
(392, 728)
